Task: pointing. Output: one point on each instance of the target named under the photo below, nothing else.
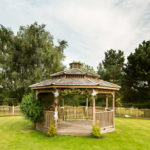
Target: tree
(136, 79)
(28, 57)
(87, 68)
(6, 40)
(110, 69)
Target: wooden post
(120, 112)
(113, 107)
(93, 99)
(106, 101)
(63, 101)
(56, 112)
(87, 107)
(63, 108)
(75, 112)
(56, 94)
(136, 113)
(13, 110)
(36, 94)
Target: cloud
(90, 26)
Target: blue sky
(90, 26)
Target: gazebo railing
(48, 116)
(81, 112)
(105, 118)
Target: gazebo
(76, 120)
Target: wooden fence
(105, 118)
(132, 112)
(81, 112)
(10, 110)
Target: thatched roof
(75, 77)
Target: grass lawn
(16, 133)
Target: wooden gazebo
(82, 82)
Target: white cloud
(90, 26)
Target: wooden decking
(75, 127)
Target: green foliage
(65, 92)
(75, 100)
(32, 108)
(130, 134)
(136, 79)
(118, 102)
(52, 130)
(27, 58)
(144, 105)
(110, 69)
(101, 100)
(96, 130)
(75, 97)
(87, 68)
(47, 100)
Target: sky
(90, 27)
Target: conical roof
(75, 77)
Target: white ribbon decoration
(56, 93)
(55, 115)
(86, 108)
(94, 93)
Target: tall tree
(110, 68)
(136, 79)
(28, 57)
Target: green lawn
(16, 133)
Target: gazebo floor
(75, 127)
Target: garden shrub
(32, 108)
(52, 129)
(96, 130)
